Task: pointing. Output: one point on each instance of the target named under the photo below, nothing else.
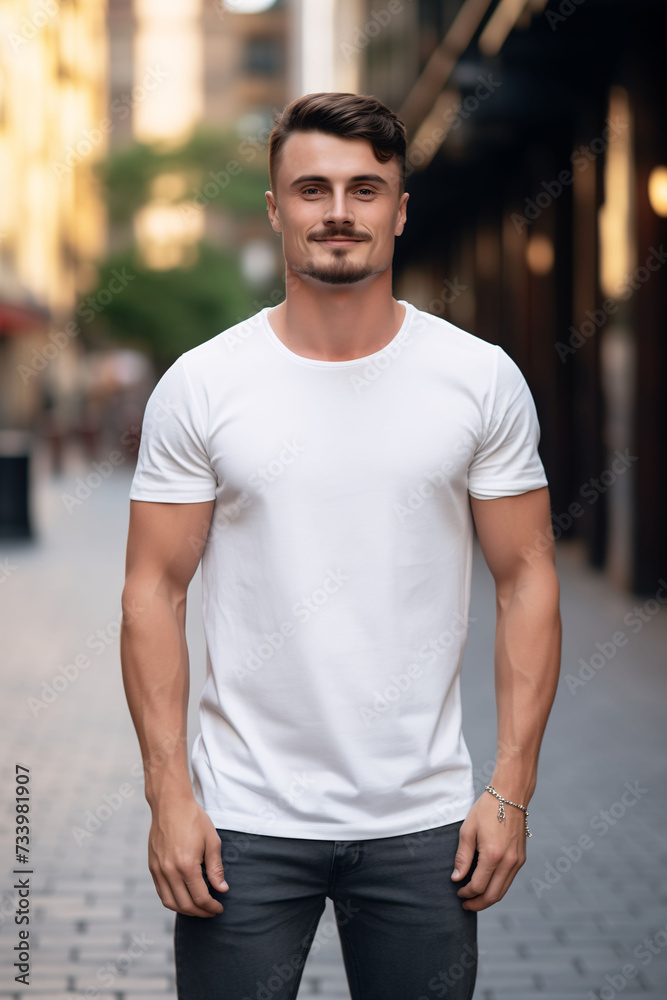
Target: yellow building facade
(54, 125)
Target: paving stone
(122, 984)
(90, 897)
(41, 984)
(64, 995)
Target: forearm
(155, 666)
(527, 665)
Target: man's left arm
(517, 542)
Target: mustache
(344, 233)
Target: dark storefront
(546, 201)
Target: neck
(337, 323)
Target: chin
(333, 274)
(345, 278)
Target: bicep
(164, 545)
(515, 533)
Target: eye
(369, 190)
(308, 190)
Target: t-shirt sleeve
(506, 461)
(172, 464)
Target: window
(264, 56)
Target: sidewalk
(572, 925)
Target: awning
(18, 318)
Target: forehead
(333, 157)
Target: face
(337, 207)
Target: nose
(338, 211)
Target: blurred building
(537, 220)
(188, 64)
(228, 65)
(52, 112)
(324, 53)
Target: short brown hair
(351, 116)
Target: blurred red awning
(18, 318)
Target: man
(326, 459)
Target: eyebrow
(325, 180)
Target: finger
(486, 866)
(164, 892)
(496, 889)
(205, 906)
(200, 895)
(464, 855)
(215, 871)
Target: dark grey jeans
(403, 932)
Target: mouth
(339, 241)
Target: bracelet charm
(501, 807)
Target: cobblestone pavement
(585, 917)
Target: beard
(338, 271)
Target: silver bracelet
(501, 807)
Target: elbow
(535, 585)
(141, 600)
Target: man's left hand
(501, 849)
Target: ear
(273, 212)
(402, 214)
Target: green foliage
(167, 312)
(126, 176)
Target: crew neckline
(317, 362)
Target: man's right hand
(182, 836)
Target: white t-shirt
(336, 572)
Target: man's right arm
(165, 542)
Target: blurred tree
(168, 311)
(240, 166)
